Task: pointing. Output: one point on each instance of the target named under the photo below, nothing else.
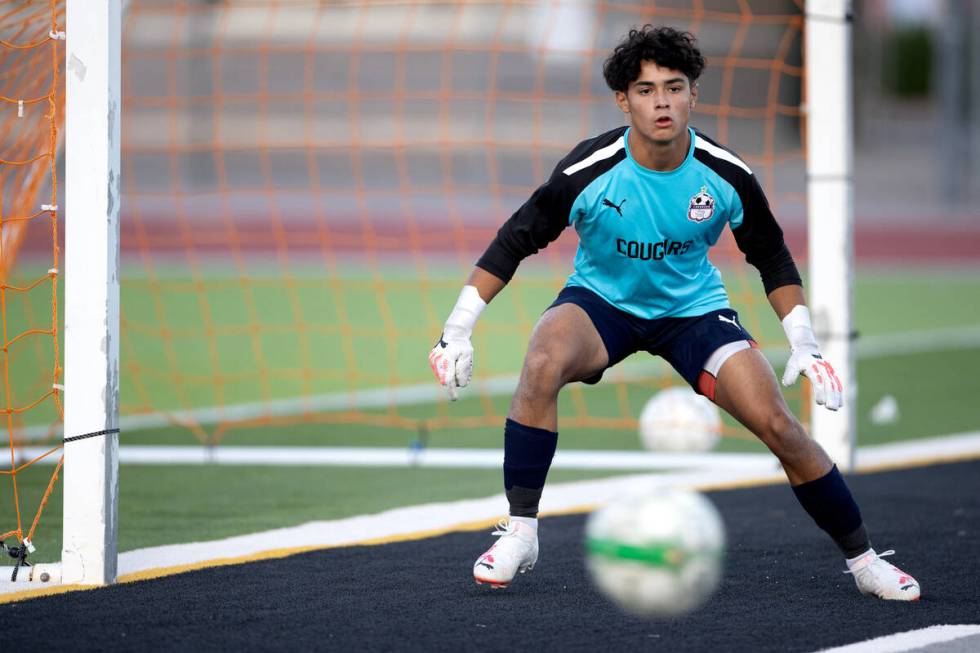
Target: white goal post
(92, 194)
(830, 212)
(92, 120)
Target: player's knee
(542, 373)
(783, 431)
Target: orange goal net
(307, 185)
(31, 102)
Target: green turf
(190, 344)
(929, 389)
(931, 401)
(896, 300)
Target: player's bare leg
(564, 347)
(746, 388)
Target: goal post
(92, 195)
(830, 209)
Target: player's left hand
(827, 388)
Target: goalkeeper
(648, 200)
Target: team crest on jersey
(701, 207)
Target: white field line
(956, 445)
(919, 342)
(559, 497)
(425, 393)
(916, 640)
(960, 444)
(408, 457)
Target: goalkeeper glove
(806, 359)
(452, 357)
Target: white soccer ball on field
(659, 554)
(678, 419)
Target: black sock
(527, 457)
(829, 501)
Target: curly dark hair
(666, 46)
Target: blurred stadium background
(306, 185)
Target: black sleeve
(546, 214)
(760, 238)
(532, 227)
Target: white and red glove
(452, 357)
(806, 359)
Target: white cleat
(875, 577)
(515, 551)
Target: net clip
(20, 108)
(19, 553)
(56, 36)
(49, 207)
(58, 386)
(53, 271)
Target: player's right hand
(452, 362)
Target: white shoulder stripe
(719, 153)
(595, 157)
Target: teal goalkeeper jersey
(644, 235)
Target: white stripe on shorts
(722, 354)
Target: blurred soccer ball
(658, 554)
(678, 419)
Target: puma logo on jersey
(618, 207)
(731, 320)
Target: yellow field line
(919, 462)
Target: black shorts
(684, 342)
